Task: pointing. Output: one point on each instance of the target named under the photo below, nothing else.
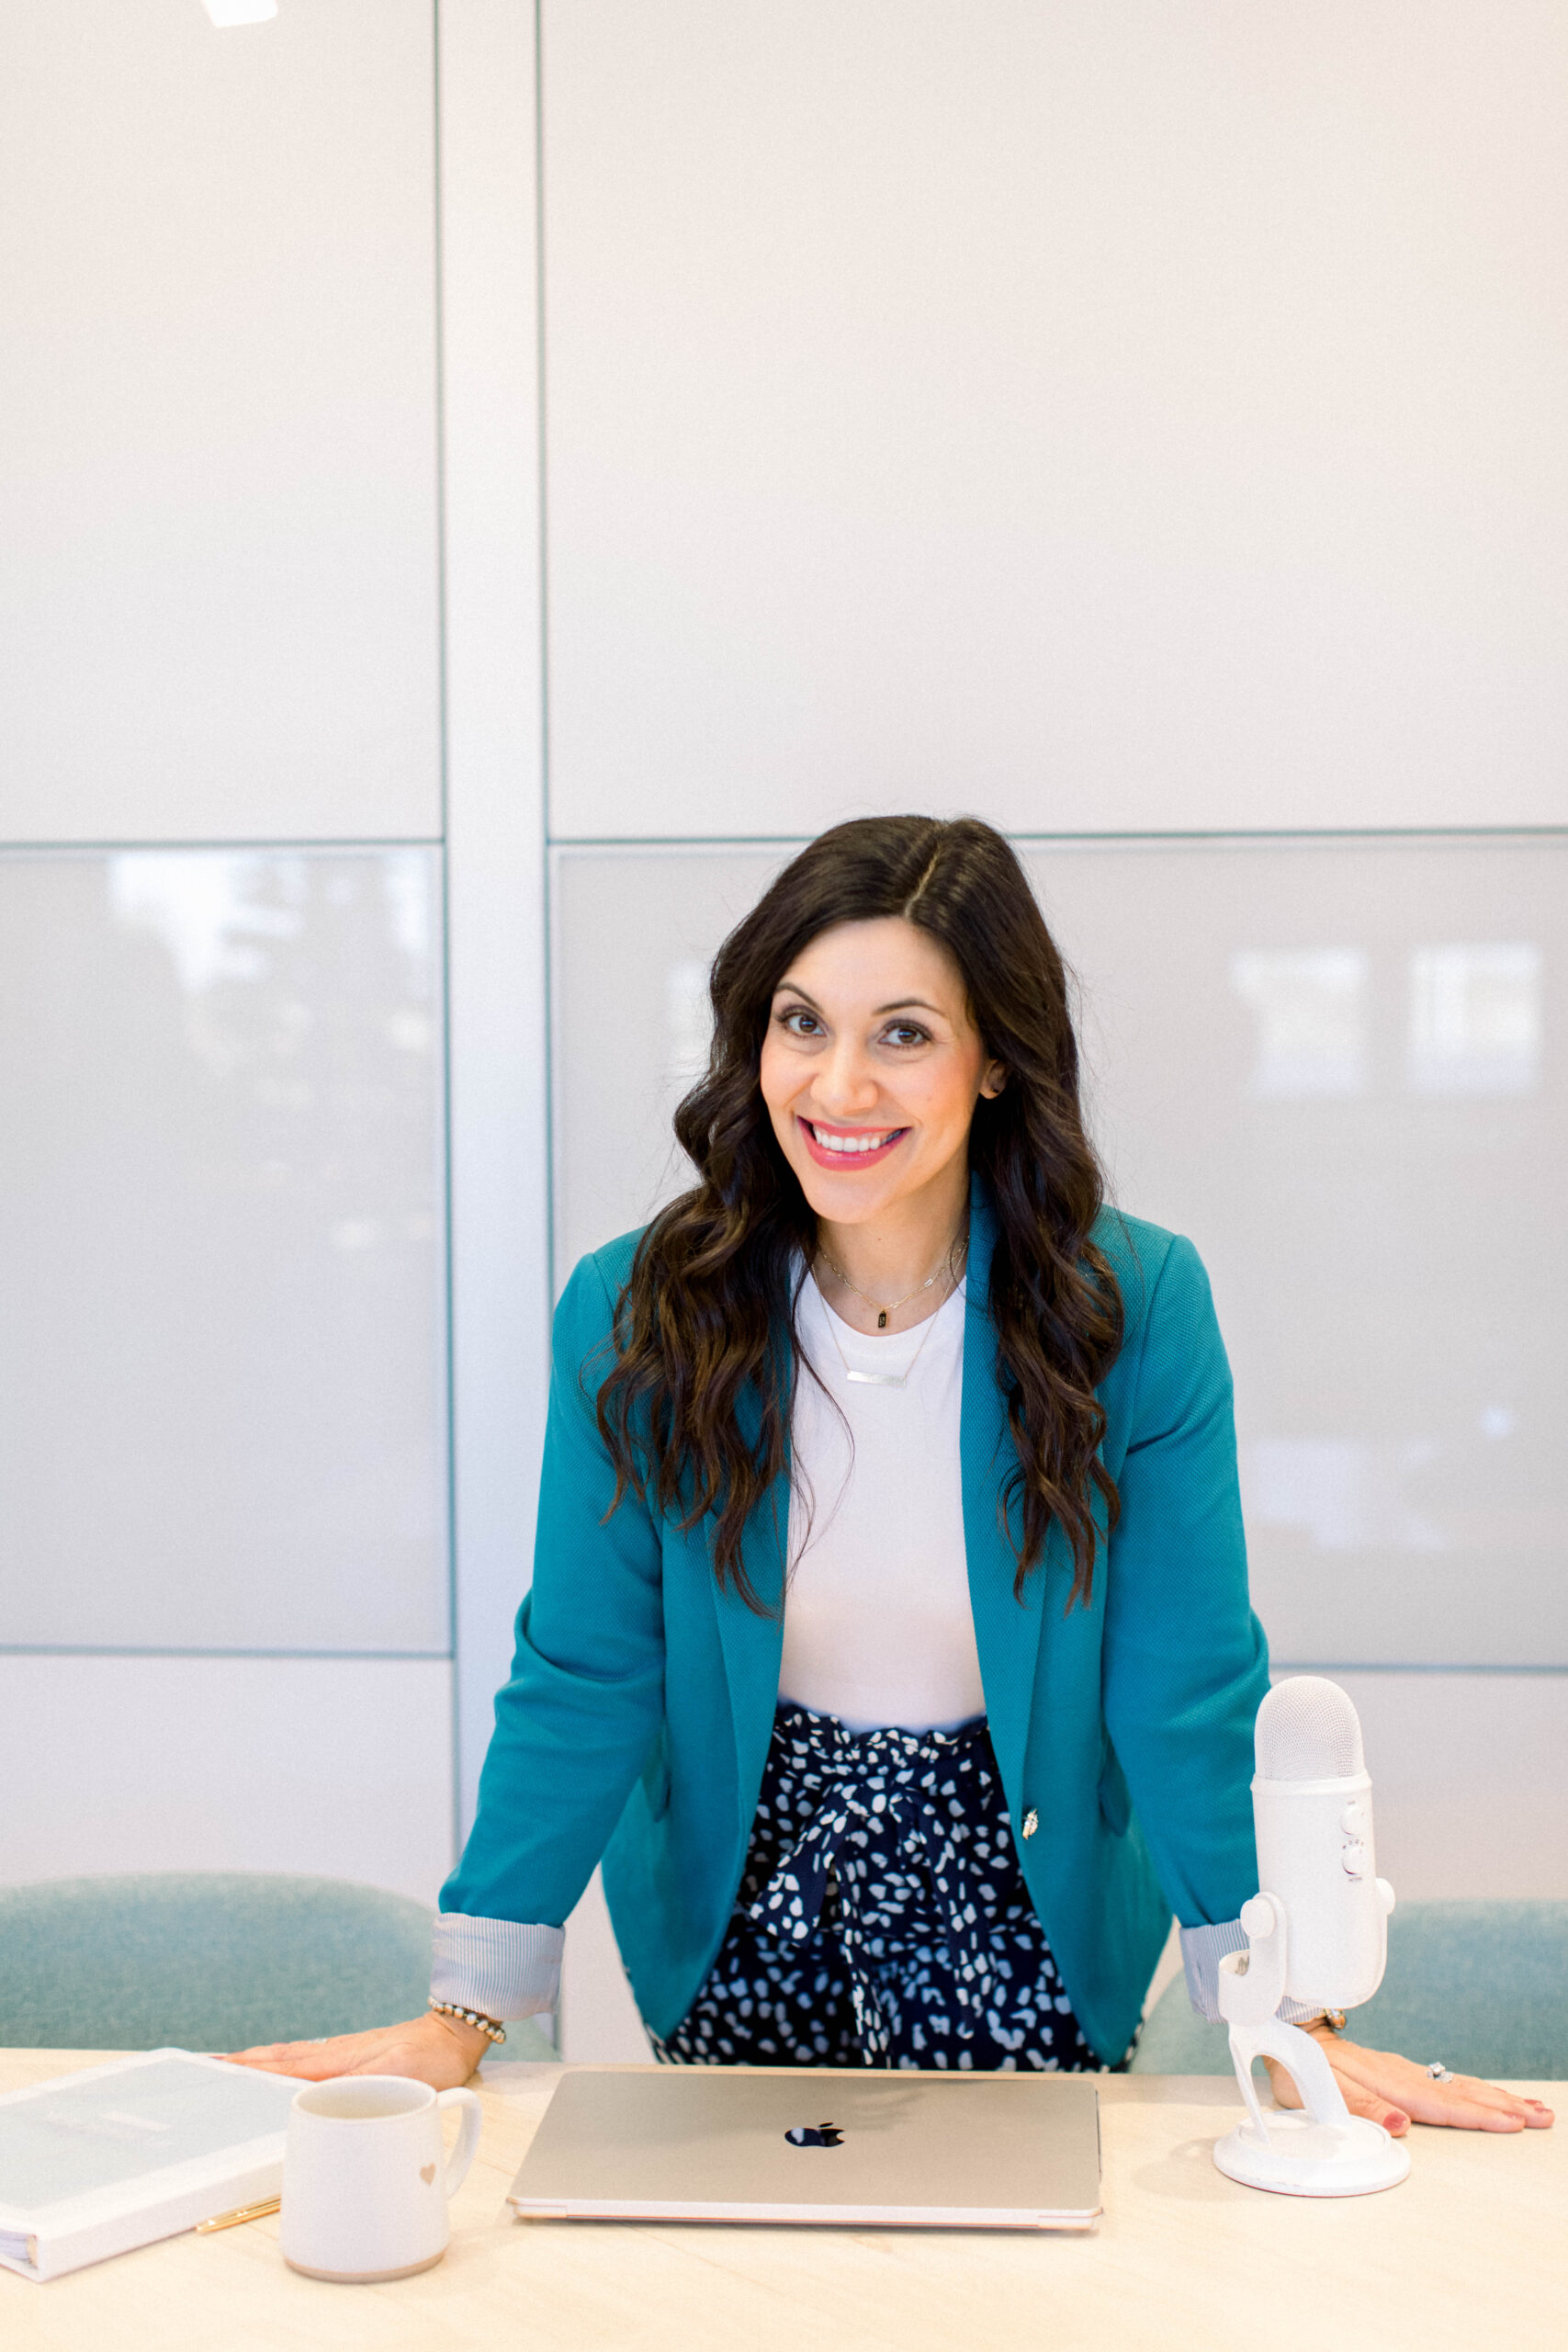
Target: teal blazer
(637, 1721)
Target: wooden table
(1471, 2252)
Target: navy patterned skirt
(882, 1919)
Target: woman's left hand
(1395, 2092)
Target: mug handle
(467, 2139)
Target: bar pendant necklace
(877, 1379)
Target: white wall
(1143, 417)
(218, 378)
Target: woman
(888, 1636)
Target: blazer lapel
(1007, 1631)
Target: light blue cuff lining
(496, 1966)
(1202, 1948)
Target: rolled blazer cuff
(1202, 1948)
(496, 1966)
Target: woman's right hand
(442, 2051)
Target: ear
(995, 1078)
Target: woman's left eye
(906, 1033)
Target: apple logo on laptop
(815, 2135)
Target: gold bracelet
(470, 2016)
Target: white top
(877, 1625)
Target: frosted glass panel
(334, 1766)
(632, 934)
(1470, 1772)
(218, 483)
(221, 1359)
(1136, 417)
(1339, 1067)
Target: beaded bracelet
(470, 2016)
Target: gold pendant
(882, 1321)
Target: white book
(94, 2163)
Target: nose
(844, 1085)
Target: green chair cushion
(211, 1960)
(1482, 1985)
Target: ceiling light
(224, 13)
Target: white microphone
(1312, 1808)
(1317, 1934)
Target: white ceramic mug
(366, 2179)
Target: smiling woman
(889, 1635)
(891, 1020)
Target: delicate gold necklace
(879, 1379)
(881, 1312)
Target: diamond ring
(1439, 2072)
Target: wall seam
(1277, 834)
(115, 1649)
(547, 879)
(449, 1396)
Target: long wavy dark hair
(692, 1408)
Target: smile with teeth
(854, 1144)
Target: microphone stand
(1323, 2150)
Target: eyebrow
(899, 1004)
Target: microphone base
(1296, 2157)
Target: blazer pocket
(1115, 1796)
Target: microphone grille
(1308, 1730)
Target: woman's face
(871, 1069)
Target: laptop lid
(821, 2144)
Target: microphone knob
(1257, 1917)
(1353, 1820)
(1354, 1857)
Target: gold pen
(241, 2214)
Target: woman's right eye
(800, 1023)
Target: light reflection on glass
(1475, 1026)
(689, 1012)
(1310, 1006)
(212, 911)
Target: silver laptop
(804, 2144)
